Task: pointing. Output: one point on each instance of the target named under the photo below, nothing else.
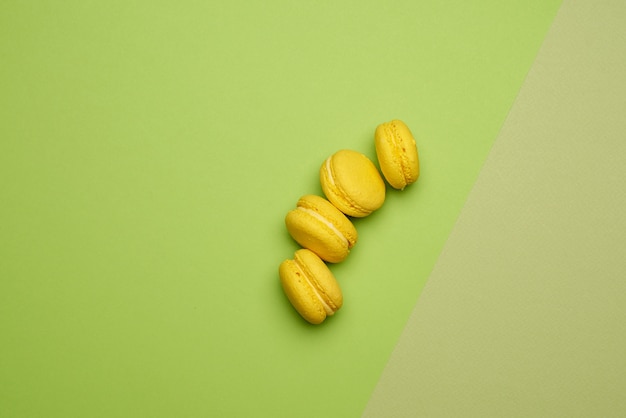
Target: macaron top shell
(397, 153)
(310, 286)
(352, 183)
(322, 228)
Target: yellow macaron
(352, 183)
(322, 228)
(397, 153)
(310, 286)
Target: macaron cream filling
(329, 172)
(326, 303)
(327, 223)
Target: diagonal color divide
(525, 312)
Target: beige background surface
(524, 314)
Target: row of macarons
(353, 187)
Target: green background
(148, 155)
